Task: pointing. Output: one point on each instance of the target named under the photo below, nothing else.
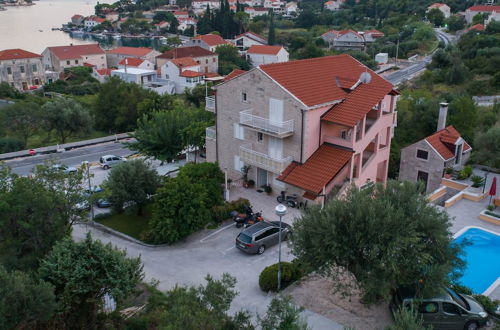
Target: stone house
(183, 72)
(61, 57)
(333, 5)
(22, 69)
(427, 159)
(248, 39)
(136, 63)
(114, 56)
(208, 61)
(312, 127)
(207, 41)
(444, 8)
(479, 9)
(344, 40)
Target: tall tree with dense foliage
(192, 308)
(83, 273)
(116, 108)
(463, 116)
(181, 207)
(379, 239)
(131, 183)
(35, 213)
(24, 300)
(436, 17)
(210, 175)
(487, 147)
(22, 119)
(271, 36)
(282, 314)
(230, 59)
(67, 117)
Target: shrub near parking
(268, 279)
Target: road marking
(227, 250)
(215, 233)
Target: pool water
(482, 259)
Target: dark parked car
(448, 310)
(258, 237)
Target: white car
(110, 160)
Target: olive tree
(379, 239)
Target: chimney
(443, 111)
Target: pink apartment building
(311, 127)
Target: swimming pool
(482, 258)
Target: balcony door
(275, 110)
(275, 147)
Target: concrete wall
(410, 165)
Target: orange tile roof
(192, 51)
(184, 62)
(251, 35)
(323, 165)
(484, 8)
(477, 27)
(357, 104)
(131, 51)
(264, 49)
(14, 54)
(233, 74)
(443, 142)
(104, 72)
(437, 5)
(191, 74)
(313, 81)
(75, 51)
(211, 39)
(131, 61)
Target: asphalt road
(74, 157)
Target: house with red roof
(333, 5)
(183, 72)
(22, 69)
(256, 11)
(59, 58)
(444, 8)
(208, 61)
(77, 20)
(479, 9)
(476, 27)
(92, 21)
(427, 159)
(313, 127)
(207, 41)
(115, 55)
(133, 62)
(101, 74)
(248, 39)
(186, 23)
(264, 54)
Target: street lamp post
(87, 168)
(226, 191)
(280, 211)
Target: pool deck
(465, 213)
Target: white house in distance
(186, 23)
(101, 74)
(181, 14)
(183, 72)
(207, 41)
(266, 55)
(248, 39)
(291, 8)
(200, 6)
(114, 56)
(256, 11)
(444, 8)
(479, 9)
(138, 63)
(92, 21)
(333, 4)
(146, 78)
(60, 57)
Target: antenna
(365, 77)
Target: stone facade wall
(30, 75)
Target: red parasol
(493, 188)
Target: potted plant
(245, 169)
(448, 173)
(268, 189)
(250, 183)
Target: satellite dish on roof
(365, 78)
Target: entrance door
(275, 147)
(423, 177)
(458, 156)
(275, 110)
(261, 177)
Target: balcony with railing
(275, 128)
(264, 161)
(210, 132)
(210, 103)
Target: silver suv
(258, 237)
(110, 160)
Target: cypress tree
(271, 37)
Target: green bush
(459, 288)
(493, 214)
(407, 319)
(268, 279)
(489, 305)
(222, 212)
(465, 172)
(477, 181)
(10, 144)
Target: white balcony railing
(210, 103)
(210, 132)
(252, 157)
(278, 128)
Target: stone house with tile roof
(21, 69)
(264, 54)
(208, 61)
(312, 127)
(207, 41)
(183, 72)
(61, 57)
(427, 159)
(114, 56)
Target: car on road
(110, 160)
(65, 168)
(257, 238)
(103, 203)
(447, 310)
